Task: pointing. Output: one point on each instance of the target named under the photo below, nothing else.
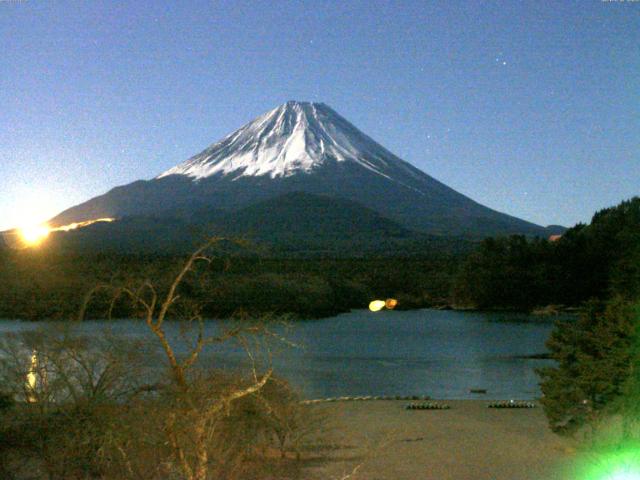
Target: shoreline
(538, 313)
(467, 441)
(414, 399)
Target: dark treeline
(520, 273)
(592, 261)
(40, 285)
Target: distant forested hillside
(39, 285)
(589, 261)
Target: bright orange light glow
(32, 379)
(33, 235)
(376, 305)
(75, 225)
(391, 303)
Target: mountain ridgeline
(299, 173)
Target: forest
(503, 273)
(38, 286)
(592, 261)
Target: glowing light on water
(376, 305)
(32, 379)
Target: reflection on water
(31, 382)
(443, 354)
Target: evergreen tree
(589, 261)
(629, 403)
(594, 358)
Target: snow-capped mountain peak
(294, 137)
(298, 148)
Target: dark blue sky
(531, 108)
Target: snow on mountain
(292, 138)
(301, 147)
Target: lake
(443, 354)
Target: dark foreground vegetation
(78, 407)
(596, 377)
(98, 410)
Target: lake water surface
(443, 354)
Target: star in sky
(500, 59)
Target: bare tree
(66, 386)
(100, 407)
(196, 409)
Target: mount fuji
(305, 148)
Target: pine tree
(594, 358)
(629, 403)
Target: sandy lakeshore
(469, 441)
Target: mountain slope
(303, 147)
(305, 222)
(295, 223)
